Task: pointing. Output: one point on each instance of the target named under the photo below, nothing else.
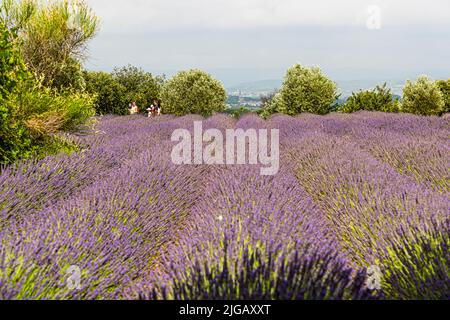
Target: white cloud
(173, 14)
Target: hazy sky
(246, 40)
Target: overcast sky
(247, 40)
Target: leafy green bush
(70, 76)
(193, 91)
(45, 110)
(306, 90)
(422, 97)
(140, 86)
(110, 95)
(378, 99)
(31, 110)
(79, 108)
(269, 104)
(14, 141)
(444, 86)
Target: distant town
(246, 100)
(248, 95)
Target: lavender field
(358, 210)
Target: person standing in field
(158, 108)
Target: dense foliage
(269, 104)
(353, 191)
(378, 99)
(46, 111)
(306, 90)
(193, 91)
(41, 81)
(115, 91)
(444, 86)
(141, 87)
(14, 141)
(110, 95)
(422, 97)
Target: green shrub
(269, 104)
(14, 140)
(193, 91)
(140, 86)
(31, 112)
(422, 97)
(70, 76)
(379, 99)
(444, 86)
(45, 110)
(110, 95)
(306, 90)
(79, 108)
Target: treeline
(304, 90)
(192, 91)
(309, 90)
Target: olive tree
(140, 86)
(444, 86)
(110, 95)
(379, 99)
(193, 91)
(422, 97)
(269, 104)
(306, 90)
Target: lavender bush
(353, 191)
(258, 275)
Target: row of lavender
(108, 210)
(353, 191)
(340, 194)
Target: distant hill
(346, 87)
(256, 87)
